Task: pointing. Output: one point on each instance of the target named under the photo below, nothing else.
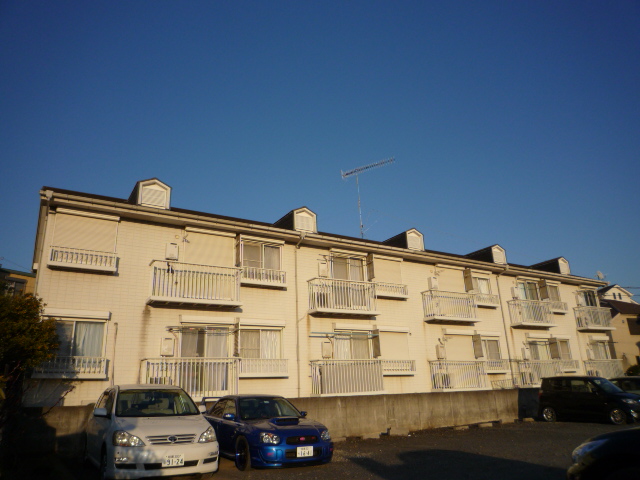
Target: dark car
(612, 456)
(267, 431)
(628, 384)
(586, 397)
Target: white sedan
(139, 431)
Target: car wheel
(549, 414)
(243, 456)
(617, 416)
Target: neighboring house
(626, 320)
(16, 282)
(146, 292)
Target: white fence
(264, 276)
(593, 317)
(604, 368)
(530, 312)
(438, 304)
(329, 294)
(186, 281)
(200, 377)
(72, 367)
(81, 258)
(458, 374)
(346, 377)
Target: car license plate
(173, 461)
(305, 451)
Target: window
(528, 290)
(80, 339)
(350, 345)
(207, 342)
(491, 348)
(348, 268)
(539, 350)
(258, 255)
(601, 351)
(260, 343)
(554, 293)
(587, 298)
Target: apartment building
(625, 337)
(147, 292)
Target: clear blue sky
(511, 122)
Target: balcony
(604, 368)
(398, 367)
(346, 377)
(458, 375)
(449, 307)
(81, 368)
(185, 283)
(341, 297)
(592, 319)
(529, 373)
(530, 314)
(487, 300)
(391, 290)
(264, 277)
(557, 306)
(80, 259)
(496, 366)
(200, 377)
(264, 368)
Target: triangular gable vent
(152, 193)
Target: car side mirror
(229, 416)
(304, 414)
(202, 408)
(100, 412)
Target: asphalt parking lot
(522, 451)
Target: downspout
(504, 325)
(113, 358)
(302, 235)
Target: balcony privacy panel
(84, 232)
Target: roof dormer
(411, 239)
(301, 219)
(151, 193)
(493, 254)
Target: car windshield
(606, 385)
(264, 407)
(154, 403)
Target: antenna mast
(356, 172)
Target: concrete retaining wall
(61, 429)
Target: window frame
(260, 330)
(72, 341)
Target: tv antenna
(356, 172)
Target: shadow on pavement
(454, 465)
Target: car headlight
(630, 401)
(325, 435)
(125, 439)
(268, 437)
(582, 450)
(209, 435)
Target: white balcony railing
(487, 300)
(264, 367)
(329, 295)
(81, 259)
(604, 368)
(187, 283)
(458, 374)
(449, 306)
(529, 373)
(391, 290)
(593, 318)
(496, 366)
(530, 313)
(346, 377)
(569, 365)
(557, 306)
(200, 377)
(264, 276)
(398, 367)
(72, 367)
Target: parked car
(586, 397)
(628, 384)
(139, 431)
(612, 456)
(268, 431)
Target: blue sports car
(267, 431)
